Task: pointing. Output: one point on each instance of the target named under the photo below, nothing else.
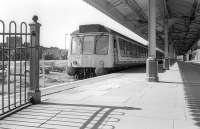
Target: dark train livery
(97, 50)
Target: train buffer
(123, 100)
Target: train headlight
(101, 63)
(75, 62)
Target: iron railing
(15, 53)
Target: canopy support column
(166, 59)
(152, 64)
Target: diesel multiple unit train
(96, 50)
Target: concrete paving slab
(64, 123)
(19, 123)
(35, 114)
(144, 123)
(19, 116)
(6, 126)
(46, 126)
(185, 124)
(32, 120)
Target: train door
(115, 50)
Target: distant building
(13, 42)
(55, 53)
(5, 45)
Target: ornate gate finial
(35, 18)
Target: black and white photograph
(99, 64)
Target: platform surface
(122, 100)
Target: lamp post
(43, 68)
(65, 46)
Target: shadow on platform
(135, 69)
(190, 73)
(185, 83)
(89, 116)
(141, 69)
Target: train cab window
(102, 43)
(76, 45)
(88, 44)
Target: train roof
(97, 28)
(91, 28)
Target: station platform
(123, 100)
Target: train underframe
(80, 73)
(83, 73)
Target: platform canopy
(183, 18)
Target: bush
(59, 68)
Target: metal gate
(17, 59)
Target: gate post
(34, 93)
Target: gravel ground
(54, 78)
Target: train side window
(142, 52)
(122, 47)
(129, 50)
(136, 52)
(139, 52)
(146, 53)
(125, 47)
(114, 43)
(133, 49)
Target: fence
(19, 65)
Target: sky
(59, 18)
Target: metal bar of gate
(23, 23)
(13, 47)
(15, 65)
(21, 27)
(3, 75)
(8, 81)
(20, 75)
(15, 33)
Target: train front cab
(90, 54)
